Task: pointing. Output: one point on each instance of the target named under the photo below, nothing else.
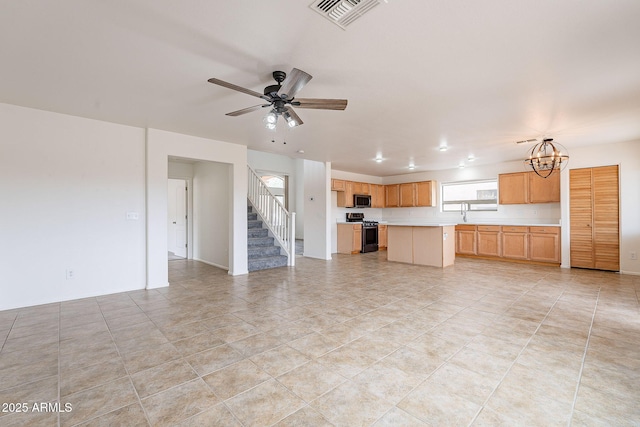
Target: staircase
(263, 252)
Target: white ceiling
(478, 75)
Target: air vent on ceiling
(526, 141)
(343, 12)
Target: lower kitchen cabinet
(515, 242)
(382, 237)
(466, 239)
(544, 244)
(523, 243)
(489, 240)
(349, 238)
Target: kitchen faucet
(463, 211)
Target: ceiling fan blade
(238, 88)
(247, 110)
(295, 117)
(321, 104)
(295, 81)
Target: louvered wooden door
(594, 215)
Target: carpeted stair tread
(264, 263)
(259, 241)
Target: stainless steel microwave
(361, 201)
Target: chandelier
(547, 156)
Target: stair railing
(278, 220)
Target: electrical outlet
(633, 255)
(70, 274)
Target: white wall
(299, 199)
(211, 203)
(627, 156)
(67, 184)
(317, 189)
(161, 145)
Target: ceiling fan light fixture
(270, 126)
(271, 117)
(290, 120)
(546, 157)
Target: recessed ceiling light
(412, 166)
(471, 158)
(443, 147)
(301, 151)
(461, 165)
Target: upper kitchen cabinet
(392, 195)
(377, 196)
(337, 185)
(528, 187)
(408, 194)
(425, 193)
(361, 188)
(345, 198)
(544, 190)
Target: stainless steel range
(369, 231)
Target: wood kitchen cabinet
(509, 242)
(544, 190)
(345, 198)
(361, 188)
(408, 194)
(349, 238)
(512, 188)
(425, 193)
(594, 211)
(337, 185)
(377, 196)
(382, 237)
(528, 187)
(392, 195)
(466, 239)
(515, 242)
(488, 240)
(544, 244)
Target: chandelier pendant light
(546, 157)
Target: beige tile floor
(355, 341)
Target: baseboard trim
(223, 267)
(631, 273)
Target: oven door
(369, 238)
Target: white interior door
(177, 217)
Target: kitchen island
(421, 243)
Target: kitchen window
(470, 196)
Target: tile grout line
(125, 369)
(515, 360)
(183, 359)
(13, 324)
(584, 357)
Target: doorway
(177, 240)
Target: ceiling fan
(281, 98)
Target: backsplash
(544, 213)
